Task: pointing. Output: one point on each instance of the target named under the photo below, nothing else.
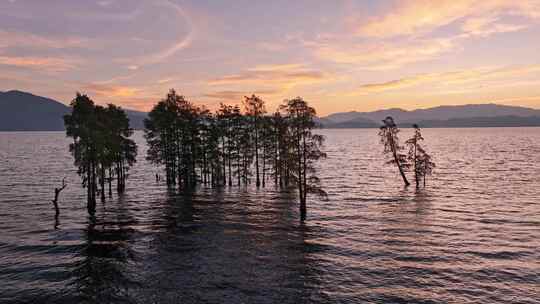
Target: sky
(339, 55)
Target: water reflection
(101, 272)
(209, 248)
(372, 241)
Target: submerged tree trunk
(110, 182)
(229, 160)
(102, 180)
(91, 204)
(303, 209)
(416, 169)
(224, 161)
(401, 170)
(300, 179)
(398, 162)
(258, 181)
(303, 206)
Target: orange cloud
(453, 78)
(39, 63)
(108, 90)
(20, 39)
(486, 26)
(236, 96)
(287, 75)
(384, 55)
(422, 16)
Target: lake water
(473, 236)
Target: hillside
(22, 111)
(481, 115)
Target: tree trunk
(102, 173)
(88, 187)
(91, 206)
(229, 160)
(401, 170)
(304, 178)
(264, 167)
(258, 181)
(110, 182)
(300, 182)
(416, 176)
(118, 176)
(224, 162)
(396, 159)
(303, 209)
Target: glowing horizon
(338, 55)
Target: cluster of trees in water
(195, 146)
(101, 146)
(230, 147)
(416, 159)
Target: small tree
(305, 149)
(420, 160)
(426, 165)
(414, 153)
(389, 138)
(100, 141)
(81, 126)
(255, 110)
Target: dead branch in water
(57, 193)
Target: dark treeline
(416, 159)
(101, 146)
(232, 147)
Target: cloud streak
(236, 96)
(450, 78)
(110, 90)
(10, 39)
(181, 44)
(39, 63)
(384, 55)
(288, 74)
(416, 17)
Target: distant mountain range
(21, 111)
(474, 115)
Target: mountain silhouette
(482, 115)
(22, 111)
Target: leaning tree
(389, 138)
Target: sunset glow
(338, 55)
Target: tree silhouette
(419, 158)
(389, 138)
(218, 149)
(81, 126)
(100, 142)
(255, 109)
(305, 149)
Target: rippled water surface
(471, 237)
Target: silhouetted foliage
(195, 145)
(421, 161)
(389, 138)
(100, 143)
(255, 109)
(305, 149)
